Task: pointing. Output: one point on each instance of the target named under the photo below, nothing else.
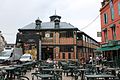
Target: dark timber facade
(58, 40)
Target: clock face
(47, 35)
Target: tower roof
(53, 17)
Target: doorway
(47, 53)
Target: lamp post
(38, 26)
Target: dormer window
(38, 23)
(57, 21)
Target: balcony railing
(47, 40)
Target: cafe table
(112, 70)
(43, 67)
(54, 71)
(9, 71)
(72, 69)
(18, 66)
(42, 76)
(96, 76)
(98, 68)
(82, 73)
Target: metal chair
(65, 69)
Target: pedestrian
(97, 60)
(100, 59)
(90, 59)
(49, 60)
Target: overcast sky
(15, 14)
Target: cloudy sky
(15, 14)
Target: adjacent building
(110, 27)
(55, 39)
(2, 42)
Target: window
(69, 34)
(79, 37)
(105, 35)
(63, 55)
(105, 18)
(112, 9)
(56, 24)
(90, 50)
(85, 39)
(66, 48)
(63, 34)
(81, 49)
(66, 34)
(119, 7)
(69, 55)
(86, 50)
(83, 36)
(113, 33)
(43, 34)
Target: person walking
(90, 59)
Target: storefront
(111, 50)
(30, 44)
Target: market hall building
(55, 39)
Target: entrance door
(47, 53)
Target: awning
(103, 49)
(116, 47)
(108, 48)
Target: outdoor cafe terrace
(61, 70)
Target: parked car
(26, 57)
(6, 55)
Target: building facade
(110, 27)
(2, 42)
(86, 46)
(58, 40)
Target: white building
(2, 42)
